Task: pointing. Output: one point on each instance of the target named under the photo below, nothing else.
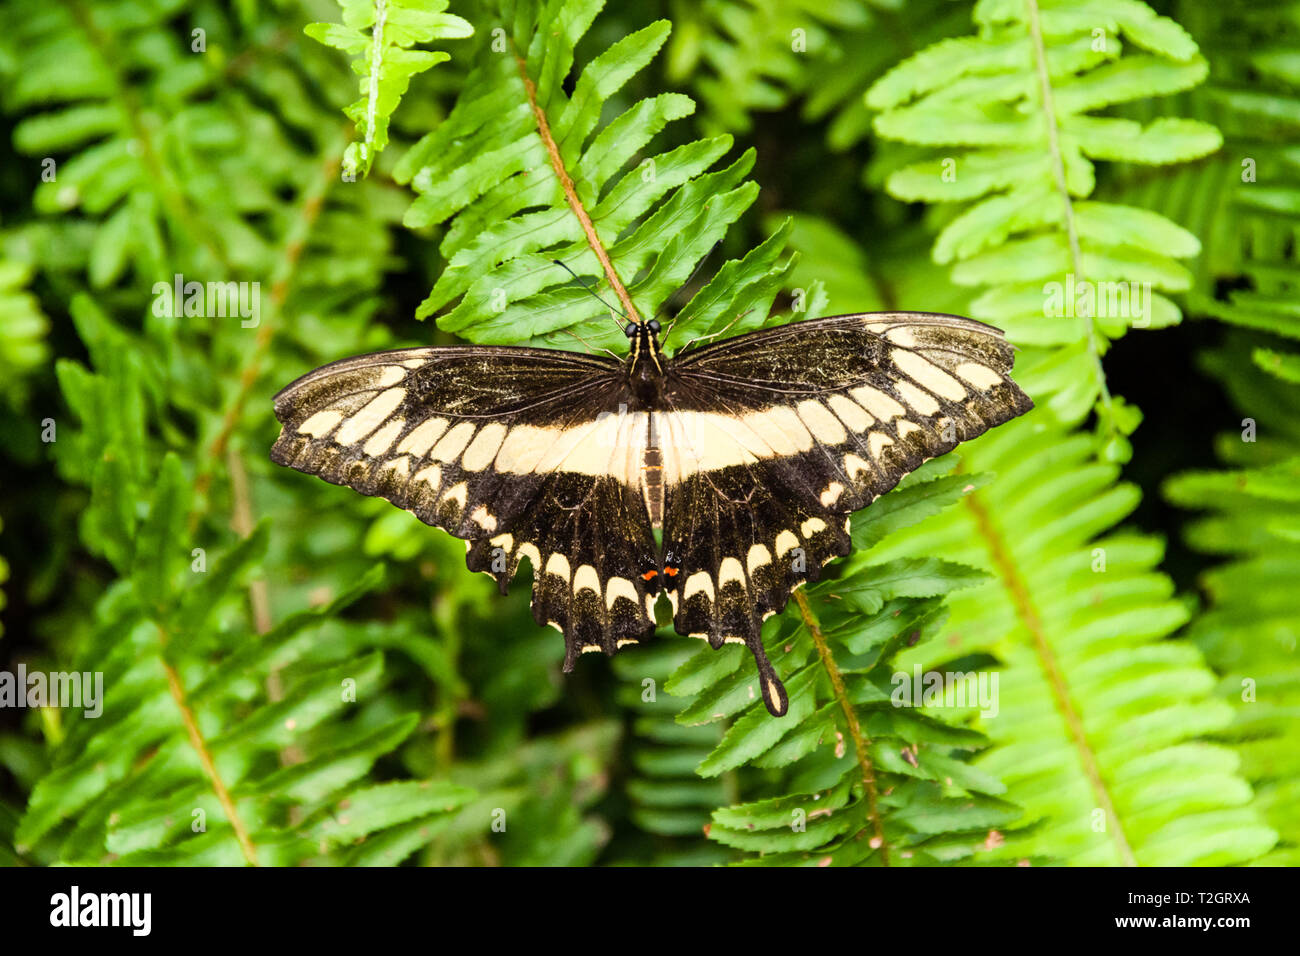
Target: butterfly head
(644, 338)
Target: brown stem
(860, 742)
(205, 758)
(571, 193)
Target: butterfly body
(746, 455)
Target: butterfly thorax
(646, 365)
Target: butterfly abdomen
(652, 474)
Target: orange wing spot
(671, 572)
(650, 575)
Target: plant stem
(1014, 582)
(860, 742)
(571, 193)
(1067, 203)
(205, 757)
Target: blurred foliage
(296, 675)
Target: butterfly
(721, 477)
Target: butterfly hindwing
(590, 545)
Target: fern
(1013, 107)
(386, 61)
(224, 638)
(667, 799)
(1247, 631)
(1099, 716)
(747, 55)
(857, 773)
(218, 709)
(526, 175)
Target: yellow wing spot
(370, 417)
(786, 542)
(757, 557)
(390, 376)
(906, 427)
(619, 588)
(558, 565)
(453, 443)
(929, 375)
(796, 436)
(812, 526)
(586, 578)
(901, 336)
(379, 442)
(981, 376)
(400, 465)
(523, 448)
(422, 437)
(431, 476)
(832, 494)
(854, 466)
(322, 423)
(529, 550)
(878, 442)
(852, 414)
(877, 402)
(922, 401)
(824, 426)
(484, 447)
(730, 570)
(458, 493)
(484, 518)
(698, 583)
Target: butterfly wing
(777, 435)
(521, 452)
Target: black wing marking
(778, 435)
(522, 452)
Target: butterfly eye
(653, 326)
(630, 331)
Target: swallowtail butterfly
(722, 476)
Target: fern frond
(744, 56)
(181, 764)
(1101, 722)
(385, 61)
(1247, 522)
(23, 328)
(667, 800)
(857, 771)
(525, 175)
(1248, 632)
(1013, 109)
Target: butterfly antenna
(714, 335)
(672, 323)
(581, 282)
(589, 347)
